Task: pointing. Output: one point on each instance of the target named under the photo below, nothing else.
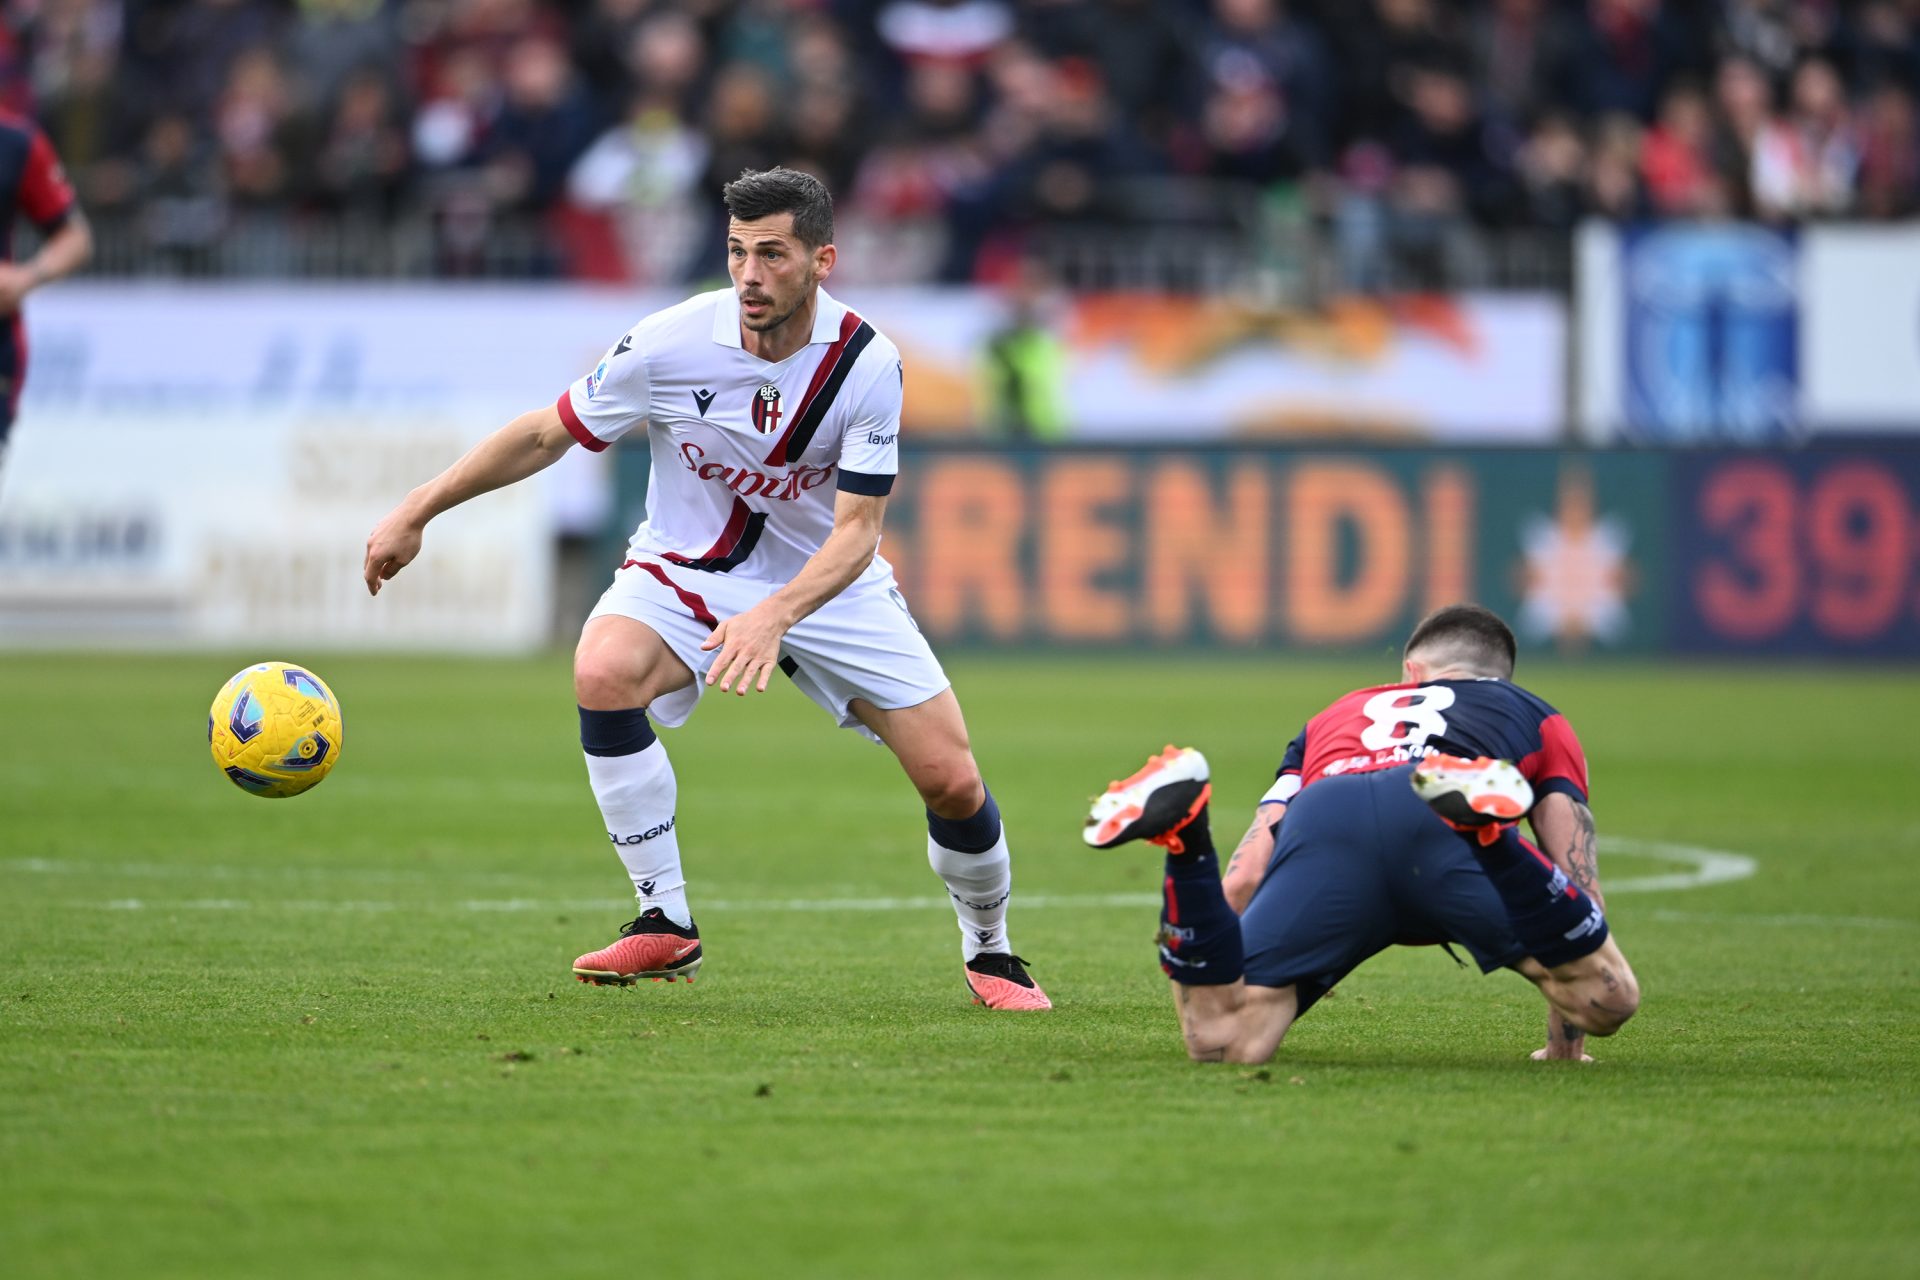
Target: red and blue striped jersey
(1394, 724)
(32, 183)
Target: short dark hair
(1466, 635)
(761, 193)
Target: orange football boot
(1152, 805)
(649, 946)
(1481, 796)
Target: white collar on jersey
(827, 315)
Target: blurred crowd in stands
(609, 125)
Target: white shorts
(861, 644)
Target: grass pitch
(337, 1036)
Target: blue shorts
(1362, 864)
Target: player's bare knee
(1602, 998)
(600, 681)
(951, 788)
(1612, 1003)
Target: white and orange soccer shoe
(999, 980)
(1481, 796)
(1153, 804)
(650, 946)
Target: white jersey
(747, 455)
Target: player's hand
(391, 547)
(1554, 1053)
(749, 645)
(16, 282)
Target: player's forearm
(1565, 829)
(528, 444)
(64, 253)
(841, 559)
(1248, 865)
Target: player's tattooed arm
(1583, 856)
(1565, 829)
(1248, 865)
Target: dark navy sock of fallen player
(1199, 932)
(1554, 919)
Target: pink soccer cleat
(999, 980)
(651, 946)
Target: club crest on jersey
(766, 409)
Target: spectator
(957, 131)
(1450, 163)
(1552, 167)
(1743, 99)
(1614, 190)
(362, 166)
(258, 126)
(545, 122)
(600, 44)
(179, 194)
(1890, 155)
(1515, 47)
(1805, 164)
(1880, 45)
(451, 126)
(1676, 160)
(1620, 53)
(1380, 45)
(336, 40)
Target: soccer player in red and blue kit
(1392, 821)
(32, 184)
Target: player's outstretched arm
(1564, 827)
(749, 642)
(529, 443)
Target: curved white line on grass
(1710, 866)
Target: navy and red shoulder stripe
(855, 336)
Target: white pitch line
(1710, 866)
(508, 905)
(1707, 867)
(1037, 901)
(1798, 920)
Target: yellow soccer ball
(275, 730)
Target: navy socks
(1555, 920)
(615, 733)
(1199, 933)
(968, 835)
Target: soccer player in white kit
(773, 416)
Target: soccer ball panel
(275, 729)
